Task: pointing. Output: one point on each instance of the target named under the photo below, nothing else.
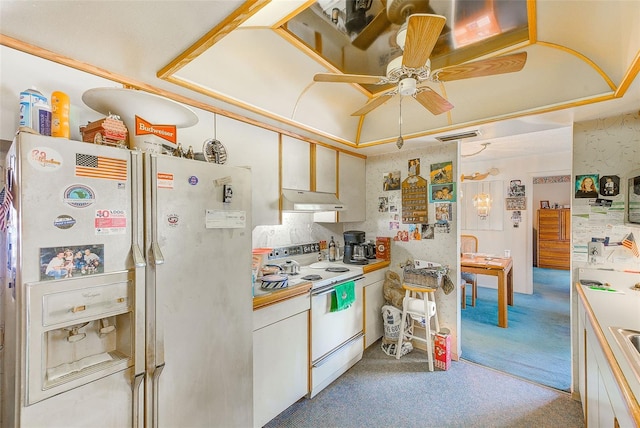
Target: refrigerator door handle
(135, 387)
(157, 253)
(156, 391)
(158, 258)
(138, 257)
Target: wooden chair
(468, 244)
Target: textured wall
(443, 248)
(606, 147)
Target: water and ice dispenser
(78, 331)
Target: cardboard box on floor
(442, 347)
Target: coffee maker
(354, 248)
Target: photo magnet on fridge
(228, 193)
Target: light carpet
(537, 344)
(380, 391)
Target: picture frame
(519, 203)
(544, 205)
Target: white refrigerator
(127, 296)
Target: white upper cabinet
(352, 188)
(326, 169)
(296, 164)
(256, 148)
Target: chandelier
(482, 203)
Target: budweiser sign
(166, 132)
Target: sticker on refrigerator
(79, 196)
(173, 220)
(101, 167)
(71, 261)
(193, 180)
(110, 222)
(45, 158)
(217, 219)
(165, 180)
(64, 221)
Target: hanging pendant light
(482, 203)
(400, 140)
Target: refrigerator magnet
(228, 193)
(193, 180)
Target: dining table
(500, 267)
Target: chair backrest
(468, 244)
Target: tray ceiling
(239, 57)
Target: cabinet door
(280, 365)
(326, 170)
(296, 164)
(352, 187)
(263, 160)
(374, 300)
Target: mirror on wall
(474, 197)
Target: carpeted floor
(380, 391)
(537, 344)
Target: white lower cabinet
(373, 302)
(280, 357)
(602, 398)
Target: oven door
(329, 329)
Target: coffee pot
(354, 248)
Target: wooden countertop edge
(265, 300)
(630, 400)
(375, 266)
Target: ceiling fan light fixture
(407, 86)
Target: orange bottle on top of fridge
(60, 115)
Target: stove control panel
(294, 250)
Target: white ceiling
(259, 75)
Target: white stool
(420, 304)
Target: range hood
(306, 201)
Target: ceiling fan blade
(423, 31)
(349, 78)
(372, 104)
(433, 101)
(487, 67)
(371, 32)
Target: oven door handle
(329, 288)
(326, 357)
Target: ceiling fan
(417, 37)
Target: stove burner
(337, 269)
(312, 278)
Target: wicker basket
(430, 278)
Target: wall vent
(460, 136)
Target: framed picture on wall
(544, 205)
(517, 203)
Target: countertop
(609, 309)
(263, 298)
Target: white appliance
(147, 318)
(337, 338)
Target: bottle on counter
(60, 115)
(332, 250)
